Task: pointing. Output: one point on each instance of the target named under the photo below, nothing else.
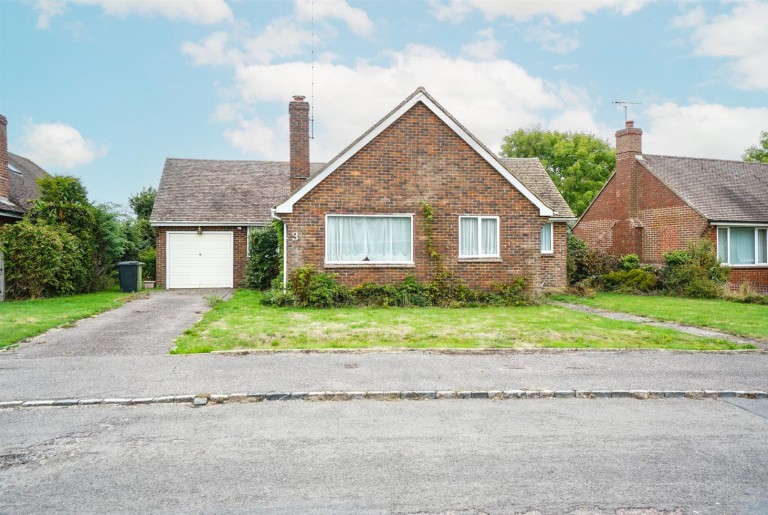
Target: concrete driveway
(146, 326)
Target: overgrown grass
(243, 323)
(27, 318)
(750, 320)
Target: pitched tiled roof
(22, 184)
(532, 174)
(211, 191)
(722, 191)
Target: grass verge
(24, 319)
(243, 323)
(749, 320)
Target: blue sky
(107, 89)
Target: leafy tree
(758, 153)
(264, 261)
(578, 163)
(143, 202)
(64, 201)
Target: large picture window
(742, 245)
(478, 236)
(353, 239)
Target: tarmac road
(460, 456)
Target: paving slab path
(705, 332)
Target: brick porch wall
(419, 158)
(240, 242)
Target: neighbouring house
(654, 204)
(18, 180)
(360, 215)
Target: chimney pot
(298, 98)
(629, 124)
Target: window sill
(547, 254)
(369, 265)
(480, 260)
(761, 265)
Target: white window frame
(367, 263)
(551, 238)
(755, 228)
(480, 219)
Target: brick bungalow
(654, 204)
(360, 215)
(18, 180)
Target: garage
(199, 260)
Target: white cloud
(59, 145)
(568, 11)
(693, 18)
(740, 36)
(489, 97)
(701, 130)
(195, 11)
(551, 40)
(356, 19)
(484, 47)
(212, 51)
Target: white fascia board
(207, 224)
(287, 206)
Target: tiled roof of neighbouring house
(22, 184)
(210, 191)
(532, 174)
(722, 191)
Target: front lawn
(243, 323)
(27, 318)
(750, 320)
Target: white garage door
(199, 260)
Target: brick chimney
(4, 192)
(298, 111)
(628, 233)
(629, 141)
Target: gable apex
(419, 95)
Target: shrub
(316, 289)
(149, 258)
(629, 262)
(41, 260)
(409, 292)
(585, 263)
(264, 262)
(635, 280)
(695, 272)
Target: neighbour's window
(742, 245)
(479, 236)
(369, 239)
(546, 238)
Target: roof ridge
(704, 159)
(236, 160)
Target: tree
(758, 153)
(578, 163)
(143, 202)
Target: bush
(149, 258)
(629, 262)
(311, 288)
(409, 292)
(42, 261)
(584, 263)
(264, 262)
(695, 272)
(635, 280)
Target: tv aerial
(624, 104)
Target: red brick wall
(240, 251)
(419, 158)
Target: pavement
(530, 456)
(124, 353)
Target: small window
(546, 238)
(478, 236)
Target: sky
(107, 89)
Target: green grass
(750, 320)
(243, 323)
(27, 318)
